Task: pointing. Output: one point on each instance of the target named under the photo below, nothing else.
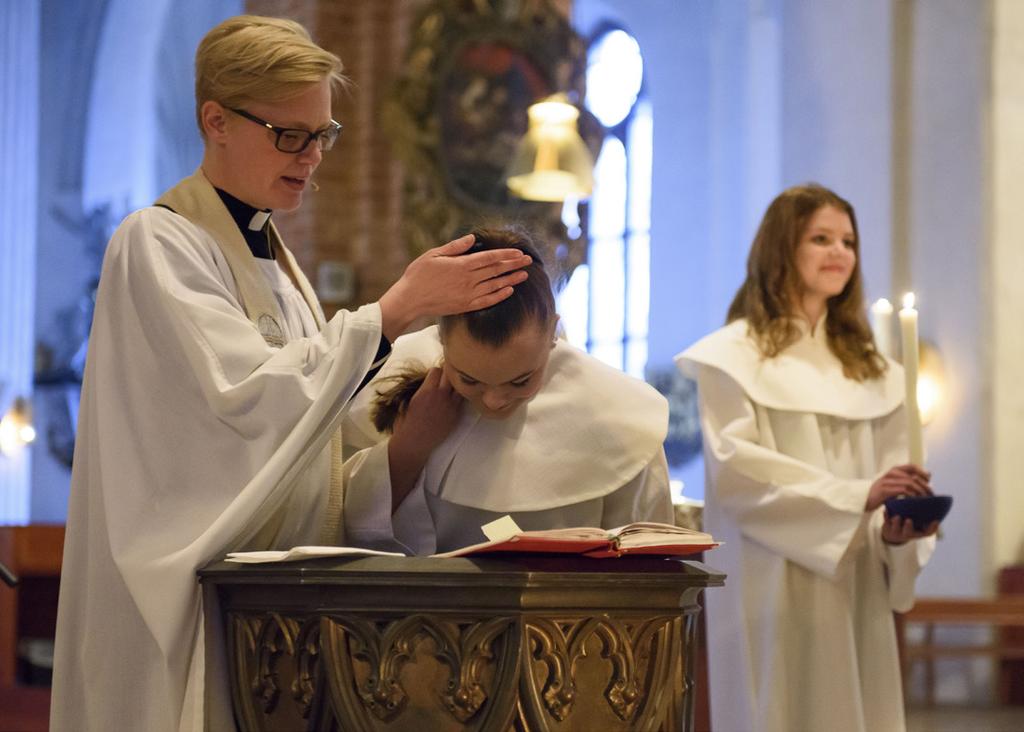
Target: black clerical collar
(252, 222)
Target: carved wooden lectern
(524, 643)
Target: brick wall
(355, 216)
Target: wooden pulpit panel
(528, 644)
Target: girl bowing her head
(489, 414)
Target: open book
(505, 536)
(636, 538)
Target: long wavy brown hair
(768, 296)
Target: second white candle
(909, 338)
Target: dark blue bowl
(922, 509)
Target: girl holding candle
(804, 439)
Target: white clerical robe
(196, 437)
(585, 451)
(801, 638)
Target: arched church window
(604, 306)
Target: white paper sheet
(305, 552)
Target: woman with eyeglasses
(214, 387)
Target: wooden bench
(999, 613)
(34, 553)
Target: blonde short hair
(253, 58)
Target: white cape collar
(587, 432)
(805, 377)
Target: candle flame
(908, 300)
(882, 306)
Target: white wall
(121, 133)
(19, 115)
(141, 135)
(837, 115)
(119, 128)
(947, 267)
(68, 37)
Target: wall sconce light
(931, 382)
(551, 162)
(16, 428)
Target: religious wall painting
(458, 109)
(482, 98)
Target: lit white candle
(881, 324)
(908, 333)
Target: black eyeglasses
(292, 140)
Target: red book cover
(665, 550)
(638, 538)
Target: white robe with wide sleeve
(801, 638)
(196, 437)
(585, 451)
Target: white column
(836, 124)
(945, 266)
(764, 105)
(1005, 298)
(19, 115)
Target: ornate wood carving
(547, 642)
(277, 636)
(476, 652)
(531, 644)
(466, 648)
(458, 108)
(242, 633)
(361, 661)
(307, 662)
(641, 660)
(269, 649)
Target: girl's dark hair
(391, 402)
(768, 296)
(530, 301)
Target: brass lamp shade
(551, 162)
